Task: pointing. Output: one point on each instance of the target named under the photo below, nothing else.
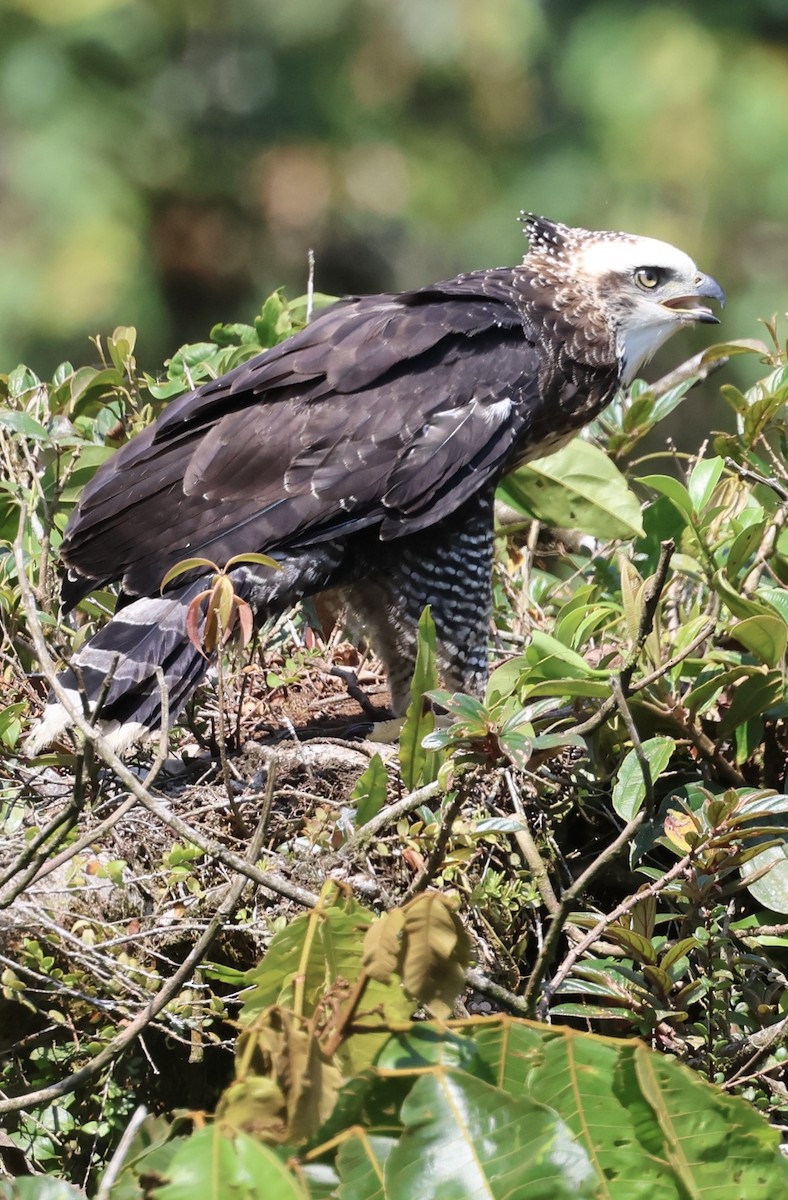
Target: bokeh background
(168, 163)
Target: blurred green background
(166, 164)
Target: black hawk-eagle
(363, 454)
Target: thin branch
(435, 857)
(270, 880)
(610, 919)
(115, 1164)
(699, 365)
(566, 905)
(389, 816)
(165, 994)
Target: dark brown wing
(387, 410)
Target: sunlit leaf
(469, 1140)
(579, 487)
(765, 636)
(629, 790)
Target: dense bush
(608, 823)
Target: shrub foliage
(578, 883)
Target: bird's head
(636, 291)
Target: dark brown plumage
(363, 454)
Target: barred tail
(117, 668)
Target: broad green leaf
(213, 1166)
(776, 597)
(765, 636)
(717, 1145)
(635, 944)
(360, 1163)
(771, 889)
(558, 685)
(582, 1079)
(705, 692)
(737, 346)
(38, 1187)
(234, 334)
(312, 953)
(333, 938)
(739, 605)
(504, 679)
(544, 649)
(672, 489)
(262, 560)
(185, 565)
(89, 385)
(575, 1074)
(629, 791)
(743, 548)
(579, 487)
(467, 1140)
(25, 425)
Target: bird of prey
(363, 454)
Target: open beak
(689, 306)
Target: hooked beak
(704, 288)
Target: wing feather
(387, 411)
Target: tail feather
(116, 670)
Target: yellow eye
(647, 277)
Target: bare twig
(270, 880)
(389, 816)
(699, 365)
(164, 995)
(115, 1164)
(566, 905)
(610, 918)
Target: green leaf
(673, 490)
(581, 1078)
(360, 1162)
(185, 565)
(214, 1166)
(39, 1187)
(629, 791)
(716, 1144)
(705, 692)
(467, 1140)
(702, 482)
(743, 548)
(579, 487)
(504, 680)
(777, 598)
(418, 765)
(750, 698)
(765, 636)
(554, 658)
(739, 605)
(369, 793)
(771, 889)
(25, 425)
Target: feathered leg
(449, 568)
